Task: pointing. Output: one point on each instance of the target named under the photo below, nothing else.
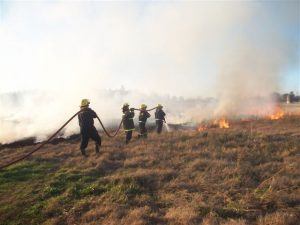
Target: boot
(83, 152)
(97, 148)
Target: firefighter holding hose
(87, 129)
(159, 118)
(128, 124)
(144, 115)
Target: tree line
(286, 97)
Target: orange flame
(223, 123)
(278, 114)
(201, 129)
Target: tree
(292, 96)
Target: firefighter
(144, 115)
(128, 124)
(87, 128)
(159, 118)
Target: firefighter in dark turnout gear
(128, 124)
(144, 115)
(87, 128)
(159, 118)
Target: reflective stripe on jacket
(144, 115)
(159, 114)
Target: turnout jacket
(86, 118)
(160, 115)
(127, 117)
(144, 115)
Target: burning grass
(246, 174)
(277, 114)
(223, 123)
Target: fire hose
(108, 134)
(53, 135)
(117, 131)
(57, 132)
(146, 110)
(39, 147)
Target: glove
(131, 109)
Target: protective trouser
(128, 136)
(159, 125)
(86, 134)
(143, 129)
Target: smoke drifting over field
(38, 114)
(62, 52)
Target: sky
(177, 53)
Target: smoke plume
(180, 54)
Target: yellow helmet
(159, 106)
(84, 102)
(125, 105)
(143, 106)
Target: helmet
(143, 106)
(84, 102)
(125, 105)
(159, 106)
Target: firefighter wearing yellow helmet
(128, 124)
(144, 115)
(159, 118)
(87, 128)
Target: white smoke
(54, 54)
(38, 114)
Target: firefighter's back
(86, 118)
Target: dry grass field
(247, 174)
